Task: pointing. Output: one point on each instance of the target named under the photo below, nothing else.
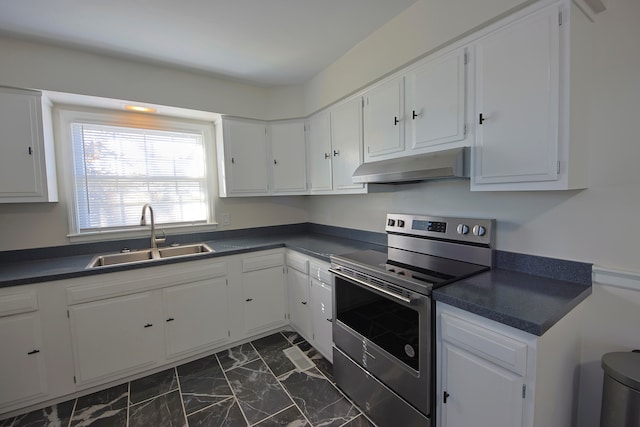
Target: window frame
(66, 115)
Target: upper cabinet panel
(435, 102)
(27, 170)
(517, 103)
(242, 157)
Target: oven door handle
(337, 272)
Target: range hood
(453, 163)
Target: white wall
(420, 29)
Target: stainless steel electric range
(384, 317)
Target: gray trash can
(621, 390)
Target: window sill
(102, 236)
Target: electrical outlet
(226, 219)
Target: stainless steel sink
(187, 250)
(147, 255)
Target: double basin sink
(147, 255)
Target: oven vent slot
(375, 281)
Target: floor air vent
(298, 358)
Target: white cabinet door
(383, 119)
(517, 101)
(264, 292)
(195, 316)
(288, 158)
(299, 302)
(320, 153)
(245, 158)
(115, 335)
(22, 370)
(346, 142)
(435, 102)
(322, 316)
(23, 160)
(478, 393)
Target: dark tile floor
(253, 384)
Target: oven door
(387, 331)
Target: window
(117, 168)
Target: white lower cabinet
(311, 301)
(490, 374)
(321, 300)
(116, 335)
(298, 291)
(22, 371)
(195, 316)
(264, 290)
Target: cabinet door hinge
(74, 379)
(466, 129)
(560, 18)
(466, 58)
(68, 317)
(226, 282)
(558, 167)
(229, 334)
(524, 391)
(362, 102)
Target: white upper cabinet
(256, 158)
(435, 102)
(242, 157)
(27, 169)
(383, 119)
(335, 148)
(320, 152)
(422, 110)
(517, 78)
(522, 105)
(288, 158)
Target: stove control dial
(400, 223)
(479, 230)
(391, 222)
(462, 229)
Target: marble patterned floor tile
(202, 383)
(223, 414)
(290, 417)
(258, 392)
(359, 421)
(292, 336)
(51, 416)
(237, 356)
(320, 401)
(165, 410)
(321, 363)
(270, 348)
(152, 386)
(106, 408)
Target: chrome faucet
(154, 239)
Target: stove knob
(479, 230)
(391, 222)
(400, 223)
(462, 229)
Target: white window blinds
(118, 169)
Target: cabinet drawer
(298, 262)
(22, 302)
(320, 271)
(125, 283)
(261, 262)
(493, 346)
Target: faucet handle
(160, 239)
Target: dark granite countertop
(526, 292)
(524, 301)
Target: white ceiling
(263, 42)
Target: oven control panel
(456, 229)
